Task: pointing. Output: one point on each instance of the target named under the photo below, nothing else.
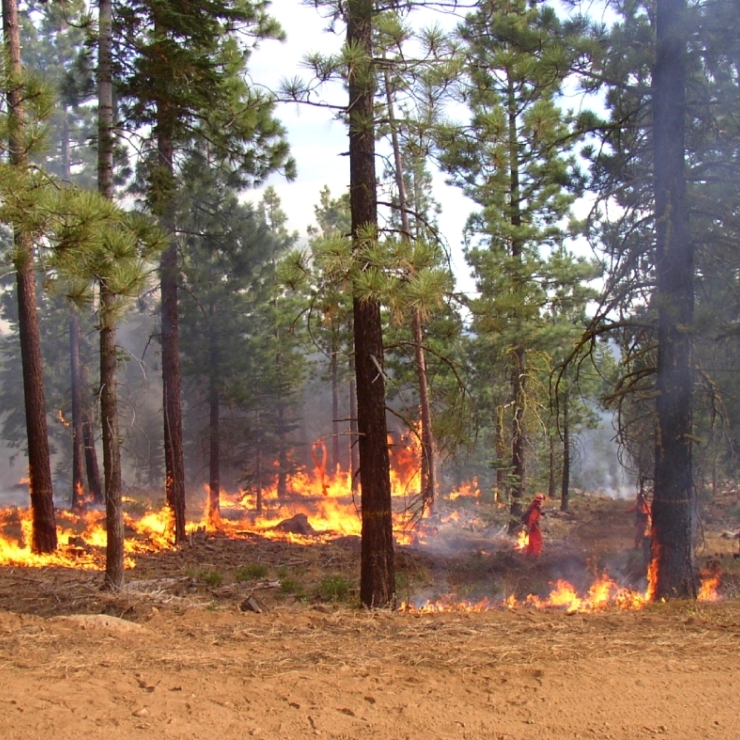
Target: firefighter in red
(531, 521)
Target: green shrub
(291, 586)
(209, 577)
(333, 588)
(250, 572)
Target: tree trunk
(565, 486)
(78, 437)
(282, 481)
(259, 503)
(500, 454)
(354, 455)
(94, 482)
(335, 448)
(377, 575)
(518, 375)
(44, 536)
(171, 376)
(213, 514)
(674, 495)
(428, 476)
(551, 467)
(114, 552)
(428, 483)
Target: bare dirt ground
(181, 654)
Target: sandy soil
(176, 656)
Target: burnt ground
(231, 638)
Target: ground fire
(320, 508)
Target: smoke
(596, 466)
(13, 472)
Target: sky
(318, 141)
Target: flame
(62, 420)
(710, 581)
(331, 508)
(522, 540)
(326, 500)
(603, 593)
(466, 490)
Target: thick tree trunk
(171, 376)
(377, 575)
(674, 496)
(171, 392)
(44, 536)
(114, 553)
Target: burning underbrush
(304, 547)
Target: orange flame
(466, 490)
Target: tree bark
(428, 482)
(565, 484)
(171, 376)
(94, 481)
(674, 495)
(377, 575)
(500, 443)
(551, 467)
(214, 430)
(354, 455)
(114, 553)
(78, 437)
(44, 533)
(335, 448)
(518, 374)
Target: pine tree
(20, 136)
(514, 160)
(673, 500)
(183, 74)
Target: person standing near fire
(531, 521)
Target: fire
(330, 509)
(466, 490)
(710, 580)
(325, 498)
(604, 593)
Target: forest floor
(252, 637)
